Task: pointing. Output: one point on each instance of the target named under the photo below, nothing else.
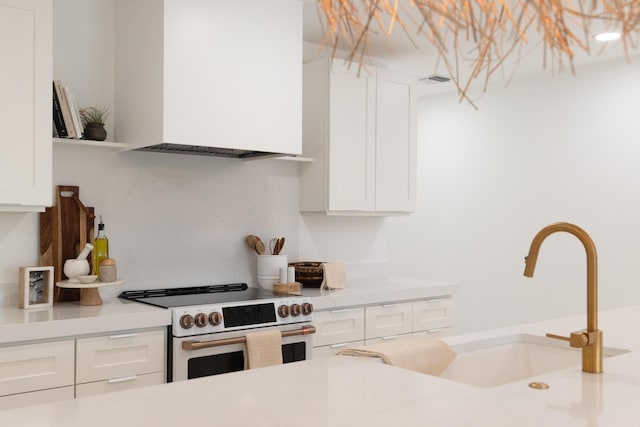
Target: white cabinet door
(32, 367)
(352, 119)
(388, 320)
(361, 132)
(433, 314)
(396, 144)
(338, 326)
(36, 397)
(117, 384)
(119, 355)
(25, 110)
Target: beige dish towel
(335, 275)
(427, 355)
(264, 348)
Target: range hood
(209, 77)
(199, 150)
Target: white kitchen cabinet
(119, 361)
(361, 132)
(434, 316)
(25, 111)
(209, 73)
(27, 369)
(388, 320)
(338, 326)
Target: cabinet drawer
(331, 350)
(116, 356)
(116, 384)
(36, 367)
(390, 338)
(434, 333)
(36, 397)
(433, 314)
(388, 319)
(338, 326)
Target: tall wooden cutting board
(64, 230)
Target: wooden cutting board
(64, 230)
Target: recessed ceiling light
(607, 37)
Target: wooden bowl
(308, 273)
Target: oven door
(213, 354)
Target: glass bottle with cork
(100, 248)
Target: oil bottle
(100, 248)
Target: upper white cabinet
(361, 132)
(209, 73)
(25, 110)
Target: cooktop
(197, 295)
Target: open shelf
(87, 142)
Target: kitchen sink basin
(501, 360)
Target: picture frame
(36, 287)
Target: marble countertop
(70, 319)
(352, 391)
(375, 291)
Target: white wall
(545, 149)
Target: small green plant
(94, 115)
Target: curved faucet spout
(591, 339)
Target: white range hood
(209, 77)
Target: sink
(496, 361)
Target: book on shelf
(58, 120)
(66, 109)
(75, 114)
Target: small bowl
(86, 279)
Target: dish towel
(427, 355)
(335, 275)
(264, 348)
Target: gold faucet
(590, 339)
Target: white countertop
(72, 319)
(376, 291)
(352, 391)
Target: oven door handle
(199, 345)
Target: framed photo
(36, 287)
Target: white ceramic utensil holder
(268, 269)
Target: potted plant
(93, 119)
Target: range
(210, 323)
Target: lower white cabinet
(43, 368)
(336, 327)
(119, 356)
(404, 320)
(388, 320)
(57, 370)
(120, 383)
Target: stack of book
(66, 116)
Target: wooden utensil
(252, 240)
(279, 245)
(260, 248)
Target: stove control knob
(201, 320)
(215, 318)
(307, 308)
(283, 311)
(295, 310)
(186, 321)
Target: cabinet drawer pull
(342, 310)
(433, 331)
(390, 337)
(434, 300)
(342, 344)
(115, 337)
(122, 379)
(389, 305)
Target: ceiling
(399, 53)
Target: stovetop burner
(196, 295)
